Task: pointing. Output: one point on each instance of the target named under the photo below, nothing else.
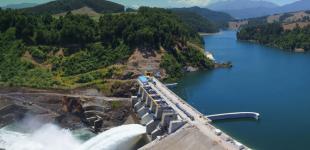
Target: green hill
(196, 22)
(274, 35)
(61, 6)
(42, 51)
(299, 17)
(219, 18)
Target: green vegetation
(61, 6)
(15, 71)
(274, 35)
(284, 18)
(196, 22)
(172, 66)
(116, 104)
(220, 19)
(173, 62)
(74, 50)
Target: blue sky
(159, 3)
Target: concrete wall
(155, 114)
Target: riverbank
(275, 36)
(296, 50)
(206, 34)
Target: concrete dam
(173, 124)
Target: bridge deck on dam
(197, 133)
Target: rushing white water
(47, 137)
(50, 137)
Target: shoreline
(206, 34)
(296, 50)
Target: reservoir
(272, 82)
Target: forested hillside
(71, 51)
(288, 21)
(274, 35)
(197, 22)
(220, 19)
(290, 17)
(61, 6)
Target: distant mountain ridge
(241, 4)
(296, 6)
(61, 6)
(253, 8)
(19, 6)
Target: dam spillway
(172, 123)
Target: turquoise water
(270, 81)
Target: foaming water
(9, 137)
(51, 137)
(48, 137)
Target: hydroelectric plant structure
(173, 124)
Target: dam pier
(172, 123)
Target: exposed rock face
(191, 69)
(72, 105)
(11, 113)
(124, 89)
(224, 65)
(145, 60)
(120, 88)
(103, 115)
(66, 110)
(72, 114)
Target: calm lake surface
(269, 81)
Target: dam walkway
(154, 97)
